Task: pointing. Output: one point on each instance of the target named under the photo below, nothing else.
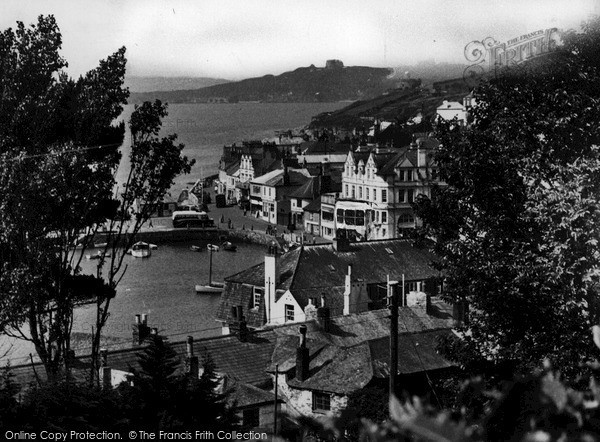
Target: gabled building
(379, 187)
(319, 367)
(310, 192)
(352, 276)
(270, 194)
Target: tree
(164, 398)
(59, 151)
(517, 227)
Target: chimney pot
(322, 300)
(137, 319)
(145, 318)
(154, 331)
(190, 346)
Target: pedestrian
(150, 225)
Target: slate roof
(357, 349)
(275, 178)
(321, 147)
(243, 362)
(245, 395)
(314, 206)
(311, 270)
(372, 261)
(309, 190)
(232, 168)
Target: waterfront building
(379, 186)
(270, 194)
(310, 192)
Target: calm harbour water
(163, 285)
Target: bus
(191, 218)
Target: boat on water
(213, 247)
(153, 246)
(229, 247)
(212, 288)
(141, 250)
(99, 254)
(196, 248)
(100, 245)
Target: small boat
(213, 247)
(228, 246)
(196, 248)
(99, 254)
(212, 288)
(141, 250)
(100, 245)
(153, 246)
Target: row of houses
(306, 330)
(325, 187)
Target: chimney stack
(348, 290)
(105, 372)
(271, 280)
(323, 315)
(140, 329)
(302, 357)
(191, 361)
(239, 326)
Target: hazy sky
(237, 39)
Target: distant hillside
(397, 105)
(307, 84)
(151, 84)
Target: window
(367, 192)
(374, 194)
(360, 192)
(384, 196)
(298, 202)
(251, 418)
(384, 217)
(353, 192)
(289, 312)
(410, 195)
(406, 218)
(327, 216)
(269, 191)
(258, 294)
(321, 401)
(346, 190)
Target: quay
(244, 228)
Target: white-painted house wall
(299, 401)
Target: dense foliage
(59, 151)
(158, 396)
(518, 225)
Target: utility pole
(393, 306)
(275, 403)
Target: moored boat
(229, 247)
(212, 288)
(209, 289)
(141, 250)
(196, 248)
(213, 247)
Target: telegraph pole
(275, 404)
(393, 306)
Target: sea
(162, 286)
